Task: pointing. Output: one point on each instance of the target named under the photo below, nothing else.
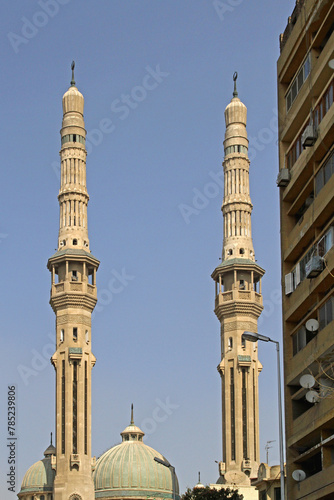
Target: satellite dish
(298, 475)
(312, 396)
(312, 325)
(307, 381)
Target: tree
(207, 493)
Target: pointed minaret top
(132, 432)
(199, 484)
(72, 68)
(51, 450)
(235, 76)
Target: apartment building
(305, 72)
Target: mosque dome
(39, 477)
(129, 469)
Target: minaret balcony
(70, 286)
(238, 295)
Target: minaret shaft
(238, 304)
(73, 298)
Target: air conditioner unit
(314, 267)
(283, 177)
(309, 136)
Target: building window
(74, 276)
(324, 174)
(244, 414)
(86, 336)
(75, 333)
(63, 408)
(277, 493)
(230, 343)
(326, 313)
(242, 285)
(263, 495)
(298, 82)
(318, 114)
(232, 401)
(300, 339)
(61, 335)
(298, 273)
(75, 408)
(75, 242)
(254, 417)
(86, 408)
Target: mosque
(132, 469)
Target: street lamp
(254, 337)
(172, 468)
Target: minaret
(73, 298)
(238, 304)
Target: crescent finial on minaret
(72, 68)
(235, 76)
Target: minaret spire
(132, 421)
(235, 92)
(238, 304)
(73, 298)
(72, 68)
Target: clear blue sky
(156, 339)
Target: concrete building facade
(238, 304)
(306, 184)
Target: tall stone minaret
(238, 304)
(73, 298)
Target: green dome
(39, 477)
(129, 470)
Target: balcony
(314, 217)
(238, 295)
(73, 286)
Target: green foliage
(211, 494)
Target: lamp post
(254, 337)
(172, 469)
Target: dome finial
(132, 421)
(199, 477)
(235, 76)
(51, 440)
(72, 68)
